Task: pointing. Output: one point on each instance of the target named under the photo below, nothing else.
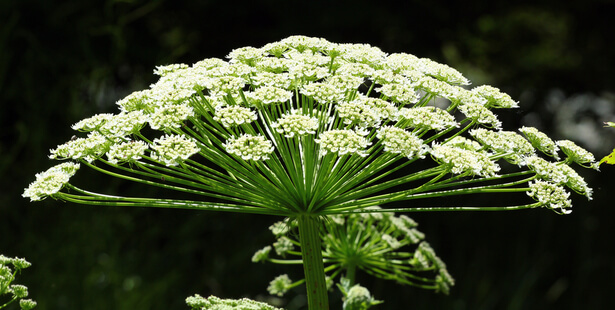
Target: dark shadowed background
(62, 61)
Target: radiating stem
(313, 267)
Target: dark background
(62, 61)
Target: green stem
(313, 267)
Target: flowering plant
(9, 267)
(305, 128)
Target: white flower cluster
(510, 144)
(576, 153)
(495, 98)
(50, 181)
(461, 161)
(170, 116)
(403, 93)
(280, 285)
(558, 173)
(551, 196)
(480, 114)
(322, 92)
(89, 149)
(130, 151)
(431, 118)
(269, 95)
(173, 149)
(464, 143)
(232, 116)
(295, 124)
(283, 245)
(540, 141)
(249, 147)
(438, 87)
(92, 123)
(342, 142)
(399, 141)
(123, 124)
(197, 302)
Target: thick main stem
(313, 267)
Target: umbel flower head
(307, 128)
(304, 124)
(380, 244)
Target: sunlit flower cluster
(427, 118)
(512, 146)
(551, 196)
(234, 116)
(342, 142)
(89, 149)
(249, 147)
(50, 181)
(173, 149)
(170, 116)
(540, 141)
(270, 94)
(400, 141)
(197, 302)
(295, 124)
(576, 153)
(460, 161)
(130, 151)
(558, 173)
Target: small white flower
(164, 70)
(510, 144)
(431, 118)
(345, 83)
(261, 255)
(322, 92)
(270, 95)
(248, 55)
(50, 181)
(123, 124)
(342, 142)
(540, 141)
(362, 53)
(283, 245)
(403, 93)
(461, 161)
(576, 153)
(232, 116)
(441, 72)
(558, 173)
(138, 100)
(366, 112)
(126, 152)
(92, 123)
(170, 116)
(295, 124)
(399, 141)
(279, 80)
(480, 114)
(249, 147)
(355, 69)
(464, 143)
(224, 85)
(437, 87)
(172, 149)
(495, 98)
(551, 196)
(280, 285)
(89, 149)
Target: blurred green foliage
(61, 61)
